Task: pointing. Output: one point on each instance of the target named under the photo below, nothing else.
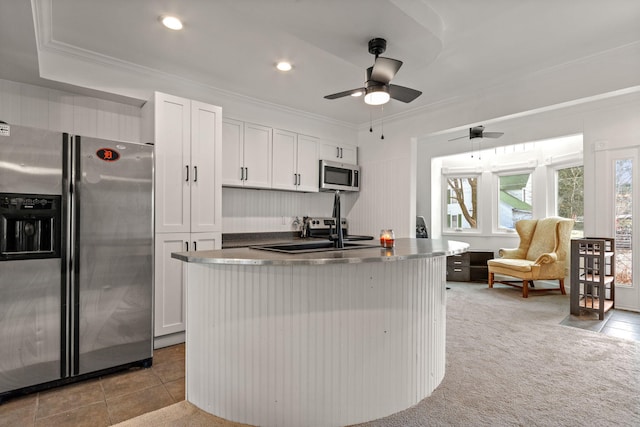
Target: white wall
(39, 107)
(608, 123)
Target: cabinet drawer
(458, 274)
(461, 260)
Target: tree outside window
(570, 197)
(514, 199)
(462, 202)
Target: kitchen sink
(308, 247)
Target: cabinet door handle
(186, 244)
(299, 179)
(187, 173)
(338, 153)
(457, 270)
(241, 174)
(195, 246)
(246, 174)
(195, 174)
(457, 262)
(295, 179)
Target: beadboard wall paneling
(35, 106)
(383, 201)
(314, 346)
(248, 210)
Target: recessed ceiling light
(171, 22)
(283, 66)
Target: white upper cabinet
(307, 163)
(344, 153)
(295, 161)
(206, 162)
(187, 138)
(246, 149)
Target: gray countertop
(404, 249)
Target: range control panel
(325, 223)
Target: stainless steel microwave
(339, 176)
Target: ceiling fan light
(171, 22)
(357, 94)
(377, 95)
(284, 66)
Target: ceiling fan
(377, 90)
(478, 132)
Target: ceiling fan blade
(345, 93)
(460, 137)
(384, 69)
(403, 94)
(492, 134)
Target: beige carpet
(509, 363)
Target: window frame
(446, 174)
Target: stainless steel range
(322, 227)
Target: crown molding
(42, 20)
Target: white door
(205, 241)
(617, 181)
(205, 167)
(169, 316)
(172, 151)
(307, 163)
(232, 152)
(284, 171)
(257, 155)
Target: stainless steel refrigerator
(76, 257)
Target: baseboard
(168, 340)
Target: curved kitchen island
(315, 339)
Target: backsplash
(248, 210)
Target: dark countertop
(243, 240)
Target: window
(570, 197)
(462, 203)
(515, 198)
(624, 223)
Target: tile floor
(118, 397)
(616, 323)
(103, 401)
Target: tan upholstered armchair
(543, 254)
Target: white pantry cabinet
(294, 161)
(246, 149)
(169, 295)
(344, 153)
(187, 137)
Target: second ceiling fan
(377, 88)
(478, 132)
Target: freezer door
(30, 161)
(30, 310)
(113, 253)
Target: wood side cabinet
(470, 266)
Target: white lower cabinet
(169, 279)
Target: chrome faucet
(337, 238)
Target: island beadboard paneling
(312, 345)
(34, 106)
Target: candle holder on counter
(387, 238)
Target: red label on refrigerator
(108, 155)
